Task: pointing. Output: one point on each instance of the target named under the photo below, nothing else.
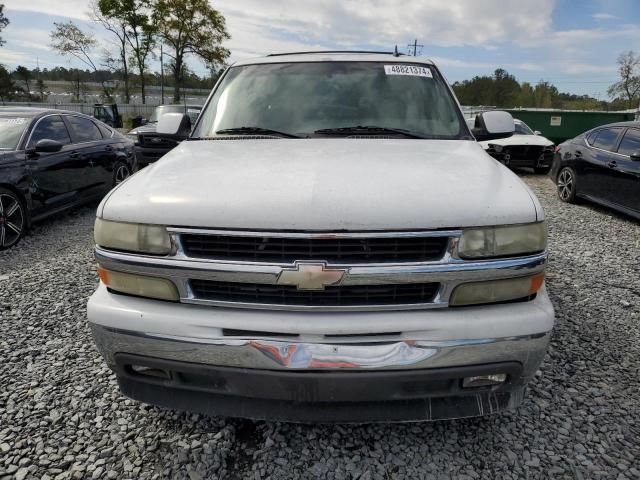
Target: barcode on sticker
(411, 70)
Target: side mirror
(48, 146)
(537, 132)
(493, 125)
(635, 156)
(174, 124)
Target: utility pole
(161, 76)
(415, 47)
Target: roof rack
(334, 51)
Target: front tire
(566, 185)
(121, 172)
(13, 219)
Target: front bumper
(519, 157)
(301, 366)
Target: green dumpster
(560, 125)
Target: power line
(415, 46)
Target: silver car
(330, 245)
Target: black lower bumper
(316, 396)
(523, 157)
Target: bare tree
(139, 31)
(67, 39)
(118, 28)
(629, 83)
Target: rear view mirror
(493, 125)
(537, 132)
(635, 156)
(48, 146)
(174, 124)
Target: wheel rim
(565, 184)
(122, 173)
(11, 220)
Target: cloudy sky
(571, 43)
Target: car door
(593, 162)
(93, 152)
(625, 171)
(53, 175)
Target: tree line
(139, 28)
(503, 90)
(34, 81)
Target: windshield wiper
(369, 130)
(254, 131)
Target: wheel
(542, 170)
(13, 219)
(566, 183)
(120, 173)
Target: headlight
(139, 285)
(132, 136)
(494, 291)
(495, 148)
(503, 241)
(132, 237)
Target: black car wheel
(566, 183)
(120, 173)
(12, 219)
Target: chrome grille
(282, 249)
(334, 296)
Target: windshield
(192, 111)
(522, 128)
(302, 98)
(11, 129)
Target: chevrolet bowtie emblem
(310, 276)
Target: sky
(571, 43)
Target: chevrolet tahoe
(331, 244)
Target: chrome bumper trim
(365, 354)
(450, 272)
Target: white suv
(331, 244)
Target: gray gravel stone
(61, 414)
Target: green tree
(7, 87)
(190, 27)
(24, 74)
(67, 39)
(4, 21)
(629, 84)
(133, 18)
(505, 89)
(119, 29)
(41, 89)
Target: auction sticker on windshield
(411, 70)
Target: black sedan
(52, 160)
(602, 166)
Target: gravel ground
(61, 415)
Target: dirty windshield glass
(193, 112)
(11, 129)
(522, 129)
(302, 99)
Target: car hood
(148, 128)
(324, 184)
(537, 140)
